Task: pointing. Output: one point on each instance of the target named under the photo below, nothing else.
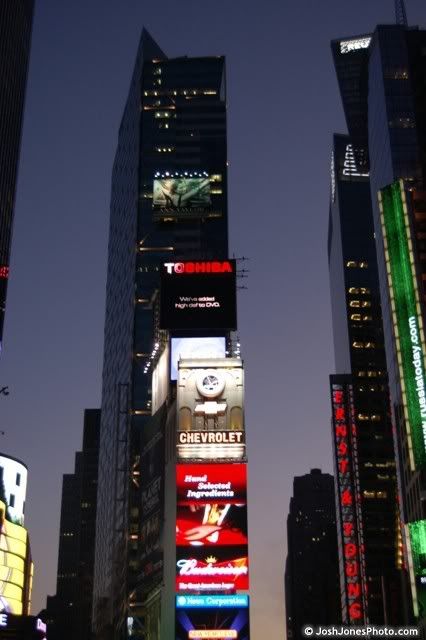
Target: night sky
(283, 106)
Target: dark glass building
(365, 466)
(171, 144)
(311, 571)
(386, 82)
(16, 18)
(68, 613)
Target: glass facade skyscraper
(16, 18)
(388, 84)
(368, 516)
(171, 146)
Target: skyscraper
(311, 572)
(69, 612)
(388, 82)
(368, 515)
(15, 35)
(168, 203)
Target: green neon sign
(406, 316)
(418, 546)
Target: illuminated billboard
(201, 569)
(210, 398)
(13, 565)
(417, 565)
(198, 295)
(204, 483)
(213, 524)
(406, 316)
(13, 476)
(181, 194)
(214, 623)
(349, 502)
(190, 348)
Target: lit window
(367, 318)
(373, 374)
(369, 494)
(370, 345)
(363, 265)
(361, 374)
(363, 416)
(365, 303)
(364, 290)
(351, 263)
(382, 494)
(357, 345)
(356, 317)
(354, 290)
(355, 303)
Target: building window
(12, 500)
(18, 479)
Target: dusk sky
(283, 106)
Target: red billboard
(207, 483)
(211, 524)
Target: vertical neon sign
(348, 498)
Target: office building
(387, 82)
(311, 573)
(365, 466)
(16, 18)
(68, 614)
(168, 224)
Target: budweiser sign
(207, 573)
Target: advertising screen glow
(204, 483)
(223, 623)
(188, 348)
(198, 295)
(406, 316)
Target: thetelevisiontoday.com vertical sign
(406, 315)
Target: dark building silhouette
(365, 465)
(16, 18)
(311, 571)
(173, 129)
(68, 613)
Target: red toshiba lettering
(339, 413)
(348, 529)
(355, 612)
(350, 550)
(346, 498)
(354, 590)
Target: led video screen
(182, 193)
(211, 525)
(220, 624)
(222, 569)
(204, 483)
(198, 295)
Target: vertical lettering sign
(406, 316)
(347, 505)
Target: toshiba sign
(225, 266)
(198, 295)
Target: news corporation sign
(406, 316)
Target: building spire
(400, 13)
